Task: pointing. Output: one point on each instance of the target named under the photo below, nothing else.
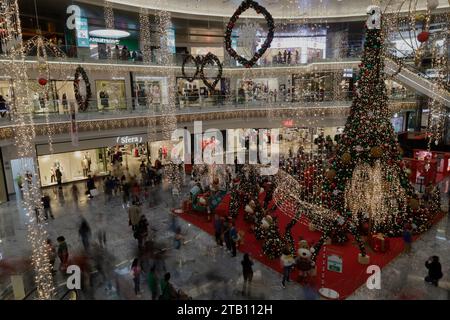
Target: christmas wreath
(83, 103)
(200, 63)
(196, 60)
(210, 59)
(245, 5)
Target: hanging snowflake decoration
(248, 36)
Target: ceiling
(280, 9)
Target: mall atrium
(224, 150)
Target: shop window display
(111, 94)
(153, 92)
(257, 90)
(74, 166)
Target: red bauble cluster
(423, 36)
(42, 81)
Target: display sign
(289, 123)
(348, 73)
(129, 139)
(82, 32)
(103, 40)
(334, 263)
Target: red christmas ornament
(423, 36)
(42, 81)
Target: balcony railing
(57, 112)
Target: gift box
(379, 243)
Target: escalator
(416, 80)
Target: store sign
(129, 140)
(334, 263)
(103, 40)
(288, 123)
(82, 32)
(171, 40)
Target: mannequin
(85, 166)
(104, 98)
(88, 157)
(52, 174)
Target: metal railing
(56, 111)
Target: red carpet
(353, 274)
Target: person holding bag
(136, 274)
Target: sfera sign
(129, 139)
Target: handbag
(94, 192)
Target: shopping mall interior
(224, 150)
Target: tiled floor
(200, 268)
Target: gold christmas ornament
(346, 158)
(420, 17)
(376, 152)
(330, 174)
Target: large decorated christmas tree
(367, 179)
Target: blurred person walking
(85, 234)
(63, 253)
(152, 281)
(247, 272)
(136, 274)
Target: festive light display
(245, 5)
(83, 103)
(21, 111)
(144, 35)
(197, 61)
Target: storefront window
(74, 166)
(111, 94)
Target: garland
(196, 60)
(200, 63)
(245, 5)
(83, 103)
(211, 59)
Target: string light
(21, 114)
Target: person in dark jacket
(218, 226)
(247, 271)
(47, 208)
(58, 175)
(90, 185)
(63, 253)
(434, 270)
(85, 234)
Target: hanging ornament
(211, 59)
(195, 60)
(346, 158)
(42, 81)
(245, 5)
(420, 17)
(330, 174)
(423, 36)
(376, 152)
(83, 103)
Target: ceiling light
(109, 33)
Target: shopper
(134, 215)
(75, 194)
(247, 272)
(51, 251)
(85, 234)
(407, 239)
(166, 288)
(178, 238)
(234, 238)
(63, 253)
(47, 208)
(226, 233)
(136, 274)
(434, 270)
(90, 186)
(218, 226)
(287, 261)
(141, 232)
(58, 175)
(152, 281)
